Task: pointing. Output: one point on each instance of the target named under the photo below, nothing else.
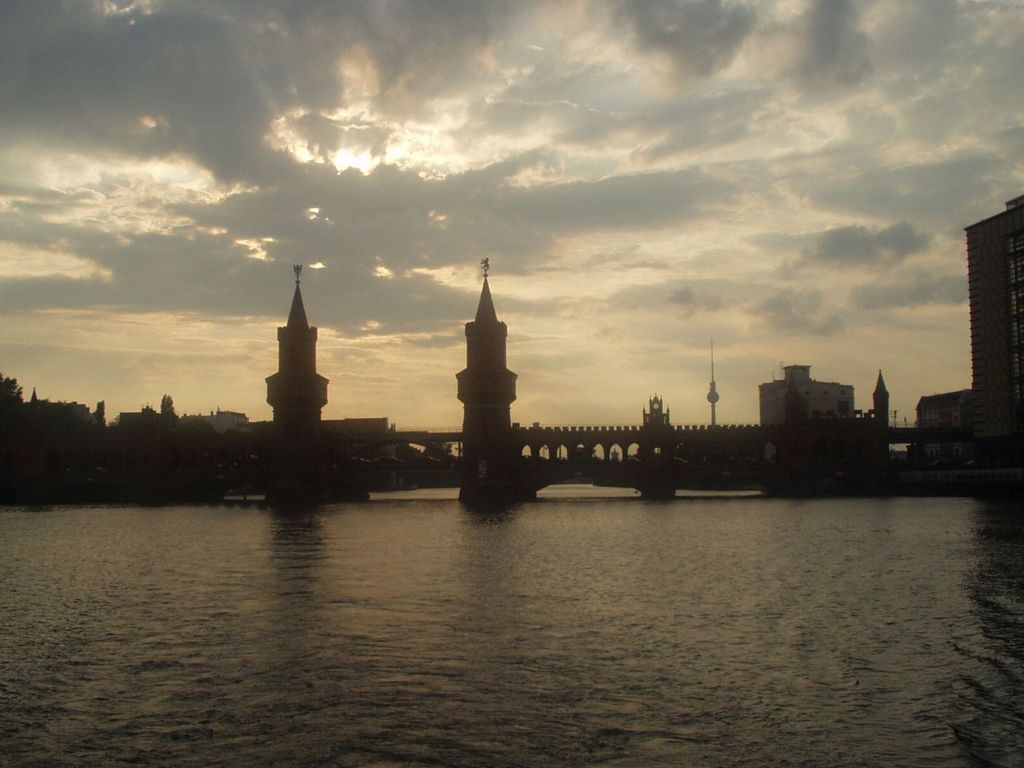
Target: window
(1015, 269)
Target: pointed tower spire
(880, 399)
(485, 309)
(297, 315)
(880, 385)
(296, 392)
(485, 312)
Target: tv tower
(713, 390)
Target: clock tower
(656, 414)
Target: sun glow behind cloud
(21, 262)
(119, 195)
(441, 143)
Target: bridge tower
(296, 392)
(487, 388)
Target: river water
(569, 632)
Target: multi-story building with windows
(995, 266)
(948, 409)
(818, 399)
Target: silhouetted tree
(167, 413)
(12, 414)
(10, 391)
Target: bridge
(491, 458)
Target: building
(221, 421)
(297, 392)
(816, 399)
(658, 415)
(995, 269)
(948, 409)
(487, 389)
(951, 410)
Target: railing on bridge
(632, 427)
(429, 430)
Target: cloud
(695, 38)
(654, 168)
(920, 36)
(702, 122)
(628, 201)
(909, 291)
(929, 192)
(691, 301)
(797, 311)
(207, 79)
(833, 48)
(859, 245)
(148, 84)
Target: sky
(788, 179)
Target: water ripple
(597, 633)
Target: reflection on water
(411, 631)
(991, 686)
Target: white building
(819, 399)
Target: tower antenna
(713, 395)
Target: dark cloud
(907, 291)
(372, 233)
(859, 245)
(691, 301)
(703, 122)
(933, 193)
(395, 214)
(688, 297)
(206, 79)
(150, 85)
(919, 37)
(323, 136)
(698, 37)
(833, 46)
(797, 311)
(625, 202)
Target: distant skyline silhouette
(791, 180)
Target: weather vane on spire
(486, 264)
(298, 271)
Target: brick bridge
(299, 456)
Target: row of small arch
(616, 452)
